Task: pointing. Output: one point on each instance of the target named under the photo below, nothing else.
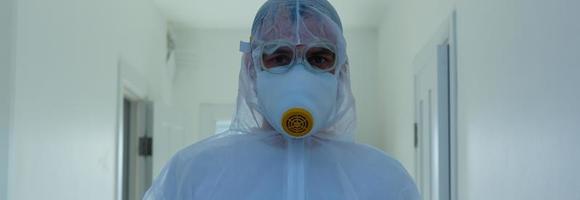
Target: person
(291, 136)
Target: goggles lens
(277, 56)
(321, 58)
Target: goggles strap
(244, 47)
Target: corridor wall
(518, 99)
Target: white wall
(518, 97)
(208, 63)
(66, 92)
(6, 48)
(519, 102)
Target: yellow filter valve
(297, 122)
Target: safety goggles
(279, 56)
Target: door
(137, 149)
(435, 116)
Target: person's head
(295, 74)
(307, 28)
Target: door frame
(444, 38)
(131, 85)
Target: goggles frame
(299, 52)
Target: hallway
(69, 68)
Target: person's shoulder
(208, 147)
(366, 155)
(382, 174)
(196, 163)
(369, 152)
(381, 156)
(220, 147)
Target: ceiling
(240, 13)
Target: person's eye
(276, 60)
(282, 59)
(321, 61)
(317, 60)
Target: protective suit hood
(251, 160)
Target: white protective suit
(253, 161)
